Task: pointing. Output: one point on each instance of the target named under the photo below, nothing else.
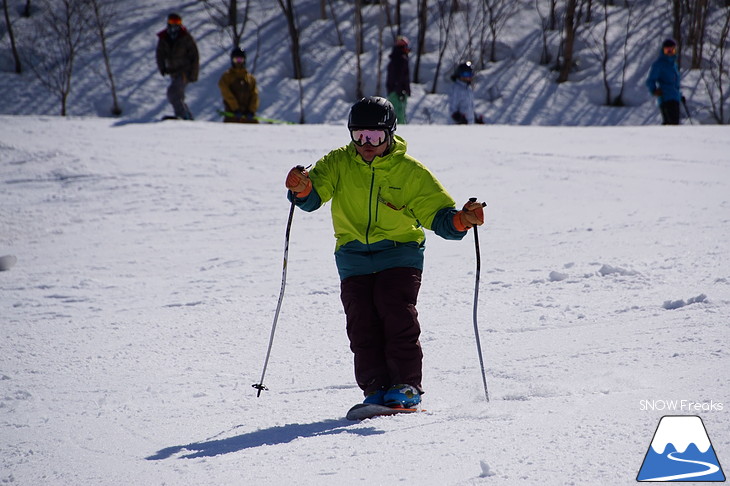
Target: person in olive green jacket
(382, 198)
(177, 55)
(238, 88)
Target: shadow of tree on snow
(272, 436)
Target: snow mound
(610, 270)
(677, 304)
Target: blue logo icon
(681, 451)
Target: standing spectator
(177, 55)
(461, 101)
(663, 82)
(381, 201)
(239, 92)
(398, 81)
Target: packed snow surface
(149, 263)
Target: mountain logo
(681, 451)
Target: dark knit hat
(238, 52)
(669, 42)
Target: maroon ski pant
(382, 324)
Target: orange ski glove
(298, 181)
(471, 215)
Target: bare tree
(103, 13)
(619, 100)
(698, 12)
(287, 6)
(340, 40)
(13, 47)
(27, 9)
(358, 30)
(553, 25)
(225, 13)
(61, 31)
(498, 12)
(677, 16)
(421, 40)
(715, 77)
(603, 54)
(545, 57)
(446, 21)
(570, 31)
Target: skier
(398, 80)
(461, 100)
(239, 91)
(664, 83)
(382, 198)
(177, 55)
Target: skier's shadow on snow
(272, 436)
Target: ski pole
(684, 102)
(476, 300)
(260, 385)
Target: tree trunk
(677, 27)
(358, 48)
(421, 42)
(100, 21)
(444, 34)
(13, 47)
(288, 10)
(569, 41)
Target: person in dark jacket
(381, 201)
(398, 80)
(239, 92)
(177, 55)
(664, 83)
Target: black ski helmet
(372, 112)
(464, 69)
(238, 52)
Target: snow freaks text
(680, 406)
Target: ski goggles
(670, 50)
(174, 21)
(373, 137)
(239, 60)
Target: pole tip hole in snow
(260, 387)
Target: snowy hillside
(148, 267)
(516, 90)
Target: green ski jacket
(379, 209)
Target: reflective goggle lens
(670, 50)
(174, 22)
(239, 60)
(373, 137)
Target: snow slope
(516, 90)
(149, 265)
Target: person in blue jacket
(663, 82)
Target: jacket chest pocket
(389, 198)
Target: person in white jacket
(461, 100)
